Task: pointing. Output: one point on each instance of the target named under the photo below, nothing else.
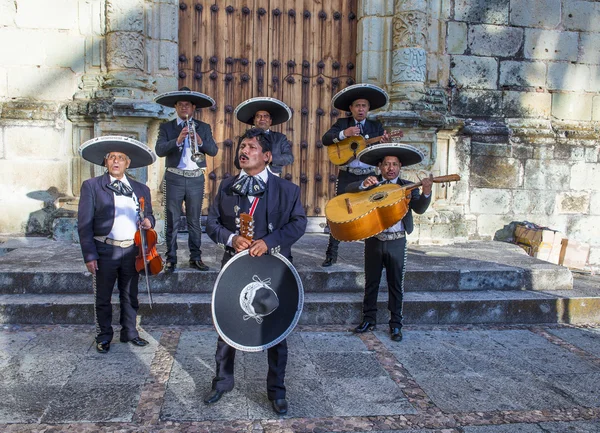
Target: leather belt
(357, 170)
(123, 244)
(187, 173)
(390, 236)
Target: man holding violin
(107, 223)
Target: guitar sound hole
(378, 196)
(354, 146)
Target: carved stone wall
(504, 92)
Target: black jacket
(166, 144)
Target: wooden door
(301, 52)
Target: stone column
(131, 56)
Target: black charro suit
(180, 188)
(96, 216)
(390, 254)
(370, 129)
(280, 222)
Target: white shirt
(185, 162)
(356, 163)
(125, 222)
(264, 175)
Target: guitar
(360, 215)
(246, 226)
(344, 151)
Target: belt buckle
(126, 244)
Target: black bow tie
(120, 188)
(249, 185)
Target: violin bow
(144, 247)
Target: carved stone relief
(409, 64)
(409, 30)
(125, 50)
(125, 15)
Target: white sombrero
(200, 100)
(280, 113)
(407, 154)
(376, 96)
(96, 149)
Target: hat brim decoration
(95, 150)
(280, 113)
(407, 154)
(200, 100)
(376, 96)
(247, 328)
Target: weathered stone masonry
(504, 92)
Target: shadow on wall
(40, 222)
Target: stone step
(339, 279)
(454, 307)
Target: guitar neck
(439, 179)
(377, 139)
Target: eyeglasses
(120, 158)
(262, 116)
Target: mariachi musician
(358, 99)
(263, 112)
(388, 248)
(185, 142)
(279, 221)
(107, 220)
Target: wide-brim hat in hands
(96, 149)
(406, 154)
(280, 113)
(376, 96)
(200, 100)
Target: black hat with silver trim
(407, 154)
(257, 301)
(280, 113)
(96, 149)
(200, 100)
(376, 96)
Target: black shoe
(280, 406)
(103, 346)
(198, 265)
(214, 396)
(364, 327)
(136, 341)
(169, 268)
(396, 334)
(329, 261)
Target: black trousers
(116, 264)
(225, 358)
(392, 255)
(344, 179)
(178, 190)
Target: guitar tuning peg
(237, 221)
(251, 224)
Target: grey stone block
(492, 172)
(546, 175)
(570, 77)
(523, 73)
(25, 402)
(335, 365)
(550, 45)
(475, 72)
(491, 40)
(478, 103)
(512, 428)
(585, 339)
(482, 11)
(572, 106)
(581, 16)
(456, 40)
(539, 13)
(572, 427)
(527, 104)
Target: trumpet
(197, 156)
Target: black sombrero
(280, 113)
(95, 150)
(257, 301)
(407, 154)
(376, 96)
(200, 100)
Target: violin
(146, 239)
